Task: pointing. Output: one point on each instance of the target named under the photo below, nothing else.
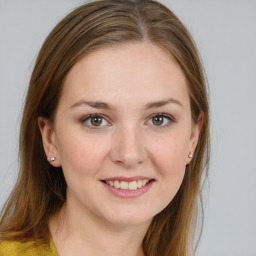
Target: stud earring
(190, 155)
(52, 159)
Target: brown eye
(158, 120)
(161, 120)
(96, 121)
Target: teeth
(116, 184)
(133, 185)
(139, 183)
(124, 185)
(144, 182)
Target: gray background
(225, 32)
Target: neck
(77, 233)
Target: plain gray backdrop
(225, 33)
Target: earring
(52, 159)
(190, 155)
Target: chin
(128, 217)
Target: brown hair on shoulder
(40, 190)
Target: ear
(49, 141)
(196, 129)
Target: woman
(114, 137)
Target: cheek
(172, 167)
(170, 155)
(81, 155)
(169, 159)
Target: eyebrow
(158, 104)
(94, 104)
(103, 105)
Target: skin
(127, 143)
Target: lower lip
(125, 193)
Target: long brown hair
(40, 190)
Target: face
(122, 133)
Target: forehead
(134, 71)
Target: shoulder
(17, 248)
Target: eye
(94, 121)
(161, 120)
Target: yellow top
(16, 248)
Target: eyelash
(166, 116)
(86, 118)
(170, 119)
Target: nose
(128, 147)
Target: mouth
(128, 185)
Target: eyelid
(91, 115)
(168, 116)
(164, 115)
(85, 118)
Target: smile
(128, 187)
(125, 185)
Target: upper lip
(128, 179)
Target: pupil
(96, 121)
(158, 120)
